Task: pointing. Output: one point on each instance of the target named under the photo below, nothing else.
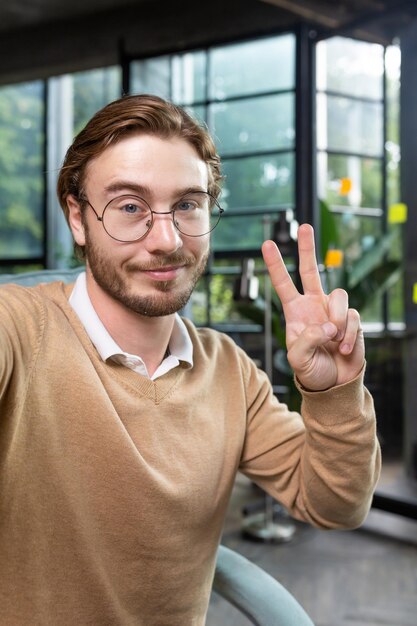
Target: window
(73, 100)
(28, 170)
(352, 142)
(231, 88)
(22, 166)
(246, 93)
(392, 147)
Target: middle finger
(309, 271)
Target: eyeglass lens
(128, 218)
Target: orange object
(345, 186)
(334, 258)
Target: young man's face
(154, 276)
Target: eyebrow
(121, 186)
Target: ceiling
(377, 18)
(40, 38)
(19, 14)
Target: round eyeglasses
(130, 218)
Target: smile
(164, 273)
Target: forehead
(150, 161)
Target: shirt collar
(180, 344)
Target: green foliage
(329, 234)
(21, 166)
(369, 275)
(365, 278)
(221, 299)
(22, 154)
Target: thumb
(312, 337)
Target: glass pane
(189, 77)
(396, 302)
(93, 90)
(393, 73)
(357, 234)
(151, 76)
(252, 67)
(351, 67)
(237, 127)
(221, 299)
(239, 313)
(349, 126)
(198, 304)
(372, 313)
(198, 112)
(258, 182)
(350, 181)
(236, 233)
(21, 170)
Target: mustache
(159, 263)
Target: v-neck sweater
(114, 487)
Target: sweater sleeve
(6, 356)
(21, 325)
(322, 465)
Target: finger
(338, 304)
(280, 278)
(309, 271)
(353, 329)
(302, 351)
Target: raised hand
(324, 337)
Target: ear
(75, 220)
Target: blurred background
(313, 107)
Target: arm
(21, 327)
(324, 466)
(6, 351)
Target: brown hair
(129, 115)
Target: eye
(130, 208)
(186, 205)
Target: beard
(170, 298)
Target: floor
(365, 577)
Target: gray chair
(248, 587)
(28, 279)
(255, 593)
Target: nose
(163, 236)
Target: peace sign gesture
(324, 337)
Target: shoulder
(15, 294)
(19, 305)
(217, 347)
(18, 299)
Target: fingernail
(345, 348)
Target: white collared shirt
(180, 345)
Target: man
(122, 425)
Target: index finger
(309, 271)
(280, 278)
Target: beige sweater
(113, 487)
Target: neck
(147, 337)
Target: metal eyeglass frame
(172, 212)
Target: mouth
(164, 273)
